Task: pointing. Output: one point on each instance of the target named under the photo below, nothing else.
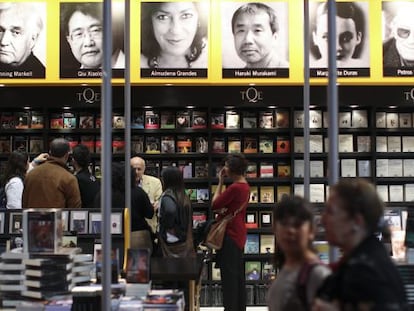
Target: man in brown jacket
(51, 185)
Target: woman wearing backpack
(301, 272)
(13, 179)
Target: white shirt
(14, 191)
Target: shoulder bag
(217, 229)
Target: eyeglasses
(94, 32)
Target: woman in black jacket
(365, 278)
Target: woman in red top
(230, 257)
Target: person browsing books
(88, 184)
(365, 278)
(51, 185)
(230, 257)
(17, 167)
(150, 184)
(301, 272)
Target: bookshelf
(195, 127)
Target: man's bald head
(138, 164)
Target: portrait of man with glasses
(21, 25)
(82, 33)
(398, 38)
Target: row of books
(319, 119)
(255, 270)
(396, 193)
(80, 221)
(394, 168)
(211, 295)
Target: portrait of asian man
(398, 36)
(21, 25)
(351, 37)
(258, 32)
(81, 39)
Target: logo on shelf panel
(252, 95)
(89, 96)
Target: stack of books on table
(11, 278)
(82, 269)
(49, 274)
(164, 299)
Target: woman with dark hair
(173, 35)
(230, 257)
(365, 278)
(350, 27)
(13, 180)
(301, 273)
(175, 214)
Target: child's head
(293, 225)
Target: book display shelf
(194, 128)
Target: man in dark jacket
(88, 184)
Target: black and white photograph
(398, 38)
(23, 40)
(255, 39)
(352, 39)
(174, 37)
(81, 40)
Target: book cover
(116, 223)
(267, 243)
(86, 120)
(253, 270)
(315, 119)
(283, 169)
(186, 168)
(37, 120)
(316, 144)
(21, 143)
(266, 219)
(251, 221)
(394, 143)
(199, 119)
(252, 245)
(392, 120)
(316, 169)
(265, 144)
(42, 230)
(36, 145)
(199, 217)
(381, 144)
(98, 120)
(152, 168)
(359, 119)
(152, 120)
(405, 120)
(363, 143)
(137, 119)
(218, 145)
(268, 272)
(299, 168)
(298, 144)
(282, 190)
(380, 119)
(282, 145)
(254, 194)
(79, 221)
(249, 120)
(22, 120)
(56, 121)
(282, 119)
(5, 144)
(250, 144)
(184, 144)
(348, 167)
(298, 119)
(266, 170)
(152, 144)
(217, 120)
(69, 120)
(251, 170)
(167, 119)
(137, 144)
(138, 266)
(408, 143)
(201, 144)
(266, 119)
(118, 121)
(8, 120)
(232, 119)
(345, 143)
(344, 119)
(95, 223)
(192, 194)
(267, 194)
(203, 195)
(234, 144)
(183, 119)
(167, 144)
(317, 193)
(201, 169)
